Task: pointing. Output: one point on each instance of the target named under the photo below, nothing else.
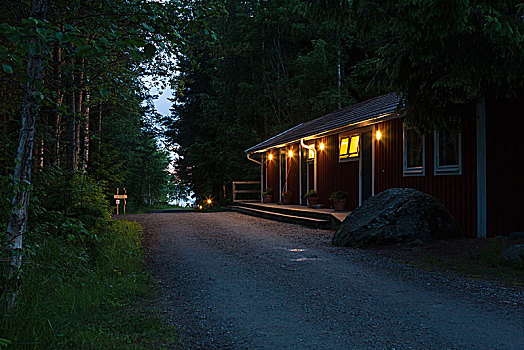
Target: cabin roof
(375, 109)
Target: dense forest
(78, 120)
(274, 64)
(77, 123)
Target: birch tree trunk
(84, 156)
(79, 100)
(22, 175)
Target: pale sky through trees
(162, 104)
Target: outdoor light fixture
(322, 146)
(290, 153)
(378, 135)
(200, 207)
(270, 156)
(209, 201)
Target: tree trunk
(57, 117)
(71, 117)
(84, 156)
(339, 70)
(339, 80)
(22, 176)
(99, 127)
(79, 100)
(6, 151)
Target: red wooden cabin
(478, 173)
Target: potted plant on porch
(286, 197)
(312, 198)
(339, 199)
(268, 195)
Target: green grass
(87, 297)
(485, 264)
(145, 209)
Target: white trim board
(481, 169)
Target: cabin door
(283, 172)
(366, 167)
(304, 173)
(263, 172)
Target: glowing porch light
(322, 146)
(378, 135)
(270, 157)
(209, 201)
(290, 153)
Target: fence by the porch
(244, 191)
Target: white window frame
(349, 136)
(412, 171)
(447, 169)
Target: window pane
(353, 147)
(448, 148)
(344, 146)
(311, 154)
(413, 149)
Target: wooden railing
(241, 184)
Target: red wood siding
(505, 167)
(334, 176)
(457, 192)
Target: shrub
(268, 191)
(338, 195)
(312, 193)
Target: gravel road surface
(231, 281)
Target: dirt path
(234, 281)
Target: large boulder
(397, 215)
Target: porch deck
(300, 214)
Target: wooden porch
(297, 214)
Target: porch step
(293, 219)
(282, 209)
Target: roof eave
(381, 118)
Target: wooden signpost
(118, 197)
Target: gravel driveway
(238, 282)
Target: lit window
(349, 147)
(414, 146)
(447, 153)
(344, 147)
(353, 146)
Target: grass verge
(472, 258)
(97, 296)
